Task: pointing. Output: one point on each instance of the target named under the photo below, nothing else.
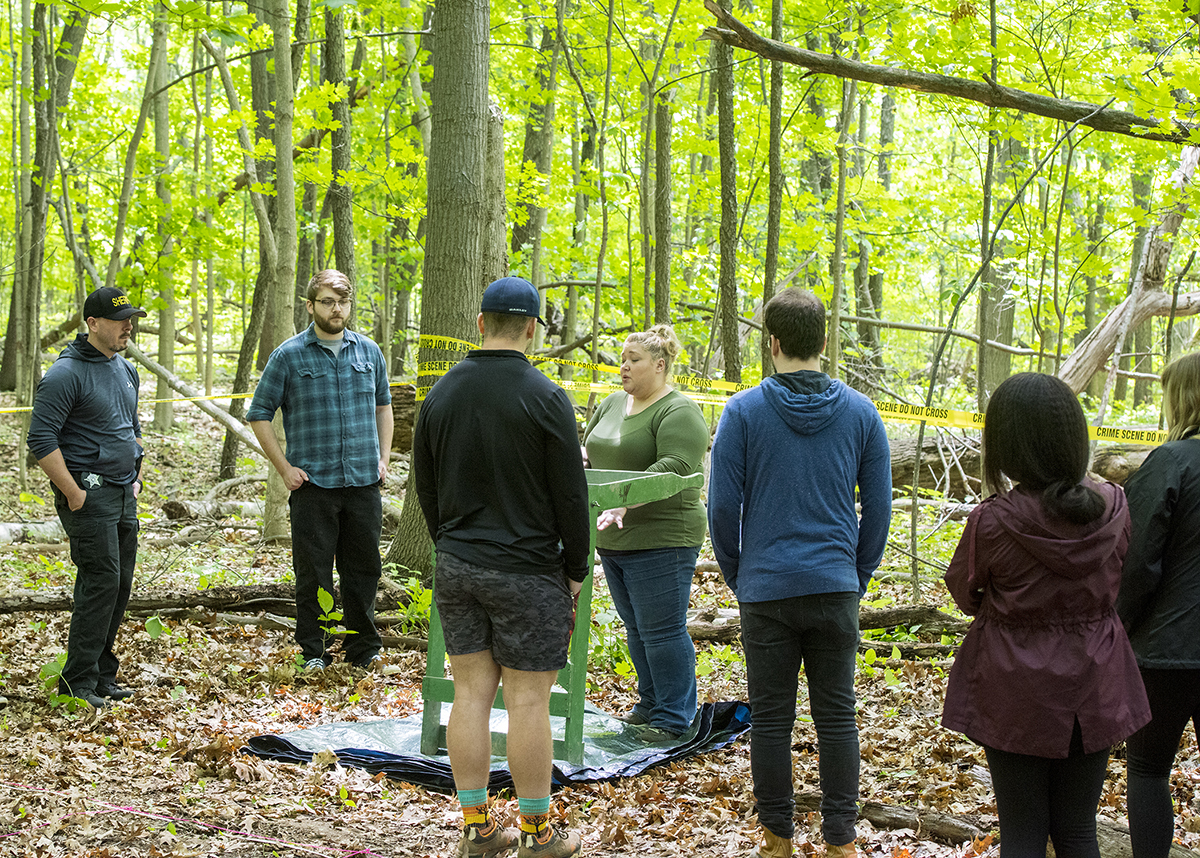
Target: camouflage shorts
(525, 620)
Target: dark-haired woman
(1045, 680)
(1160, 605)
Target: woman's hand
(612, 516)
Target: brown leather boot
(773, 846)
(846, 851)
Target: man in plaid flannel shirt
(332, 386)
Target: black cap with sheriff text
(109, 302)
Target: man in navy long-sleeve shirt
(786, 461)
(86, 436)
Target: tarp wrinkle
(611, 747)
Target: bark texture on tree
(453, 276)
(662, 211)
(341, 196)
(164, 409)
(727, 277)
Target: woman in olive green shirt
(649, 557)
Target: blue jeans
(103, 534)
(343, 524)
(650, 590)
(820, 633)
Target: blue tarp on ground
(611, 748)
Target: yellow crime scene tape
(887, 410)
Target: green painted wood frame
(606, 490)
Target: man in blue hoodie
(786, 461)
(86, 437)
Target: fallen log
(945, 827)
(948, 464)
(924, 618)
(225, 486)
(251, 598)
(1118, 462)
(274, 622)
(32, 531)
(188, 510)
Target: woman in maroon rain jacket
(1045, 680)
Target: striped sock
(474, 806)
(535, 816)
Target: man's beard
(329, 326)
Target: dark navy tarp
(611, 747)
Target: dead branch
(176, 383)
(987, 92)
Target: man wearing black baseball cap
(86, 436)
(499, 475)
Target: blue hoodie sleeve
(726, 489)
(875, 494)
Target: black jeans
(103, 534)
(1040, 797)
(819, 632)
(343, 524)
(1174, 701)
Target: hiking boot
(554, 845)
(654, 735)
(114, 691)
(633, 717)
(847, 850)
(94, 700)
(773, 846)
(485, 841)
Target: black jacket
(498, 468)
(1159, 602)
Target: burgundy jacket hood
(1069, 550)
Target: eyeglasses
(330, 303)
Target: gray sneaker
(555, 845)
(480, 842)
(315, 664)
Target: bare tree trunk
(727, 278)
(280, 322)
(538, 149)
(833, 348)
(453, 278)
(1141, 186)
(662, 210)
(495, 230)
(164, 409)
(774, 186)
(268, 251)
(45, 120)
(157, 58)
(887, 137)
(22, 152)
(340, 194)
